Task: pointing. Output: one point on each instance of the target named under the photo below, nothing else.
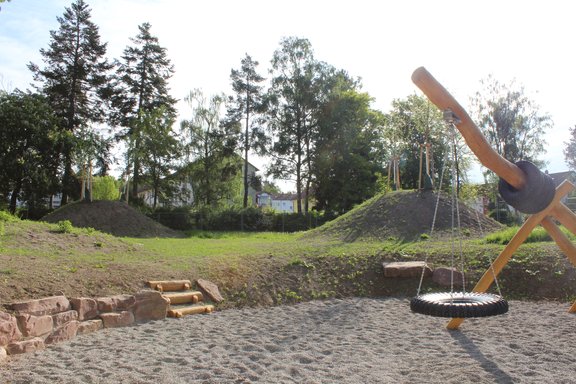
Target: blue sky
(459, 42)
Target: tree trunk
(246, 143)
(14, 197)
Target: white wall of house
(286, 206)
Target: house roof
(559, 177)
(285, 196)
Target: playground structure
(521, 185)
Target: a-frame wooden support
(512, 175)
(566, 217)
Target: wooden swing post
(510, 173)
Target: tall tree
(75, 80)
(511, 122)
(159, 148)
(412, 123)
(246, 83)
(348, 152)
(211, 147)
(28, 135)
(141, 85)
(292, 103)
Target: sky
(382, 42)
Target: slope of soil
(113, 217)
(403, 215)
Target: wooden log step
(192, 310)
(184, 297)
(170, 285)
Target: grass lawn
(39, 260)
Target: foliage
(292, 101)
(537, 235)
(65, 226)
(246, 106)
(212, 146)
(348, 150)
(510, 121)
(410, 125)
(140, 88)
(28, 136)
(105, 188)
(232, 218)
(74, 80)
(158, 150)
(7, 217)
(570, 149)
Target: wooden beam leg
(565, 216)
(497, 265)
(563, 242)
(488, 278)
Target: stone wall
(32, 325)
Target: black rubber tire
(536, 194)
(459, 304)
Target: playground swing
(455, 304)
(522, 185)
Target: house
(570, 199)
(281, 202)
(559, 177)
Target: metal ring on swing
(459, 304)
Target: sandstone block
(89, 326)
(119, 319)
(63, 333)
(26, 346)
(3, 354)
(40, 307)
(150, 305)
(86, 307)
(210, 289)
(9, 331)
(406, 269)
(34, 325)
(443, 276)
(116, 303)
(64, 317)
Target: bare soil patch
(404, 215)
(114, 217)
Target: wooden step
(170, 285)
(191, 310)
(184, 297)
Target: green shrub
(65, 226)
(236, 219)
(6, 216)
(105, 188)
(537, 235)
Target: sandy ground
(355, 340)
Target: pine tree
(141, 87)
(245, 106)
(74, 80)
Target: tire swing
(456, 304)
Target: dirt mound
(402, 215)
(114, 217)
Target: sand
(357, 340)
